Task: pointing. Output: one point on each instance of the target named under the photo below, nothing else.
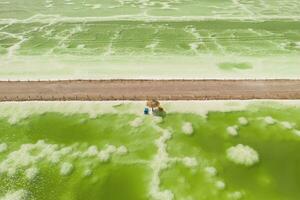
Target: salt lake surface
(149, 39)
(225, 150)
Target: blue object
(146, 111)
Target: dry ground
(146, 89)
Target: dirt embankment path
(148, 89)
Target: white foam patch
(220, 185)
(16, 111)
(87, 172)
(31, 154)
(164, 195)
(187, 128)
(136, 122)
(269, 120)
(31, 173)
(159, 163)
(243, 120)
(157, 119)
(212, 171)
(243, 155)
(287, 125)
(80, 46)
(153, 45)
(296, 132)
(66, 169)
(55, 157)
(122, 150)
(3, 147)
(232, 130)
(66, 150)
(76, 155)
(193, 31)
(16, 195)
(235, 195)
(96, 6)
(13, 120)
(190, 162)
(56, 18)
(23, 156)
(91, 151)
(104, 155)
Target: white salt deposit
(190, 162)
(232, 130)
(3, 147)
(164, 195)
(91, 151)
(111, 149)
(30, 154)
(103, 156)
(80, 46)
(66, 169)
(16, 195)
(243, 155)
(96, 6)
(243, 121)
(136, 122)
(297, 45)
(31, 173)
(20, 158)
(287, 125)
(159, 163)
(66, 150)
(13, 120)
(220, 185)
(40, 143)
(167, 135)
(269, 120)
(76, 155)
(187, 128)
(16, 111)
(87, 172)
(212, 171)
(46, 150)
(203, 107)
(122, 150)
(11, 171)
(157, 119)
(93, 115)
(296, 132)
(55, 157)
(235, 195)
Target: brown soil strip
(148, 89)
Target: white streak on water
(199, 41)
(110, 50)
(220, 47)
(42, 18)
(22, 37)
(162, 161)
(63, 39)
(242, 7)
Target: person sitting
(146, 111)
(159, 112)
